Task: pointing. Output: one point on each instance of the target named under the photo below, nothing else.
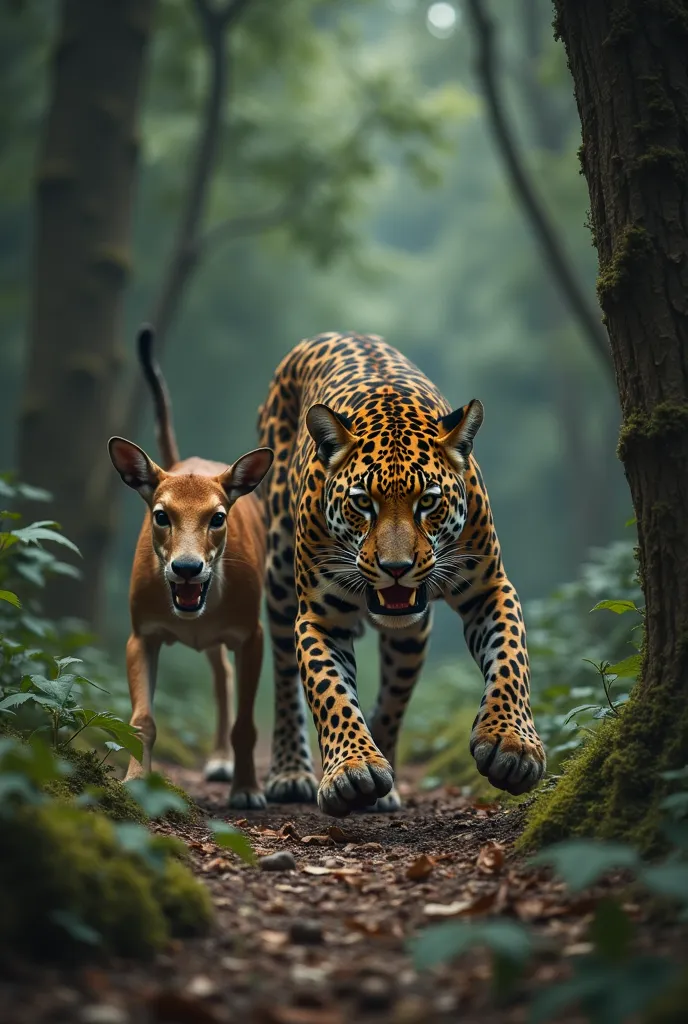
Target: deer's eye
(161, 517)
(218, 520)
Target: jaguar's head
(394, 502)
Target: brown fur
(191, 495)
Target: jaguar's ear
(457, 431)
(331, 433)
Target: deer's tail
(164, 428)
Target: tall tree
(628, 62)
(83, 201)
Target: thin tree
(83, 201)
(629, 70)
(556, 259)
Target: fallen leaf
(288, 831)
(491, 858)
(461, 908)
(374, 928)
(317, 840)
(421, 868)
(339, 835)
(370, 846)
(297, 1015)
(273, 939)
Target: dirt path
(326, 943)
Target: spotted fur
(375, 501)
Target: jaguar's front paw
(386, 804)
(509, 759)
(354, 783)
(297, 786)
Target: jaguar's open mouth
(397, 600)
(189, 597)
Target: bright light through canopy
(442, 20)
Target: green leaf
(618, 607)
(14, 699)
(628, 668)
(668, 879)
(59, 689)
(581, 862)
(15, 784)
(631, 522)
(579, 711)
(611, 930)
(676, 804)
(43, 530)
(231, 838)
(677, 775)
(109, 723)
(155, 797)
(64, 662)
(76, 928)
(7, 595)
(506, 939)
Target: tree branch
(556, 260)
(215, 22)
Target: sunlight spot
(442, 20)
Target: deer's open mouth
(397, 600)
(189, 597)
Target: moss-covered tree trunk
(84, 190)
(628, 61)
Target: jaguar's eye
(362, 502)
(161, 517)
(428, 501)
(218, 520)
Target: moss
(663, 158)
(613, 787)
(571, 807)
(57, 859)
(632, 251)
(88, 773)
(666, 419)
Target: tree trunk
(628, 61)
(84, 191)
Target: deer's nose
(187, 568)
(396, 569)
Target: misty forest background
(357, 186)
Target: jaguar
(376, 508)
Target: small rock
(308, 977)
(103, 1013)
(201, 987)
(374, 993)
(282, 861)
(306, 933)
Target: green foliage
(567, 644)
(72, 880)
(231, 838)
(613, 983)
(79, 870)
(53, 697)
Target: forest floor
(327, 942)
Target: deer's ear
(331, 433)
(135, 467)
(457, 431)
(246, 473)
